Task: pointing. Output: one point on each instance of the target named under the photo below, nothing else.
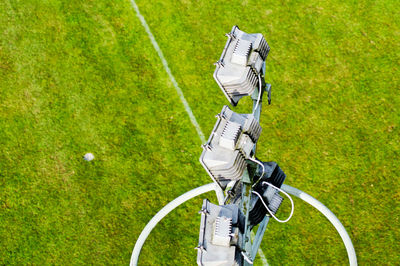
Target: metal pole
(351, 253)
(258, 237)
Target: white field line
(178, 90)
(260, 252)
(168, 70)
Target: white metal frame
(212, 186)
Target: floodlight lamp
(239, 69)
(231, 142)
(219, 235)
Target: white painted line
(260, 252)
(179, 91)
(168, 70)
(263, 258)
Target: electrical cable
(263, 170)
(247, 258)
(265, 182)
(259, 93)
(270, 212)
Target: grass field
(83, 76)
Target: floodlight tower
(252, 187)
(248, 190)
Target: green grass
(79, 77)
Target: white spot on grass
(88, 157)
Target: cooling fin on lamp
(219, 234)
(240, 64)
(231, 142)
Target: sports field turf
(83, 76)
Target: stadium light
(231, 142)
(252, 187)
(229, 159)
(239, 69)
(219, 231)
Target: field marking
(168, 70)
(178, 90)
(262, 256)
(260, 252)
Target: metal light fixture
(231, 142)
(229, 157)
(239, 68)
(219, 234)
